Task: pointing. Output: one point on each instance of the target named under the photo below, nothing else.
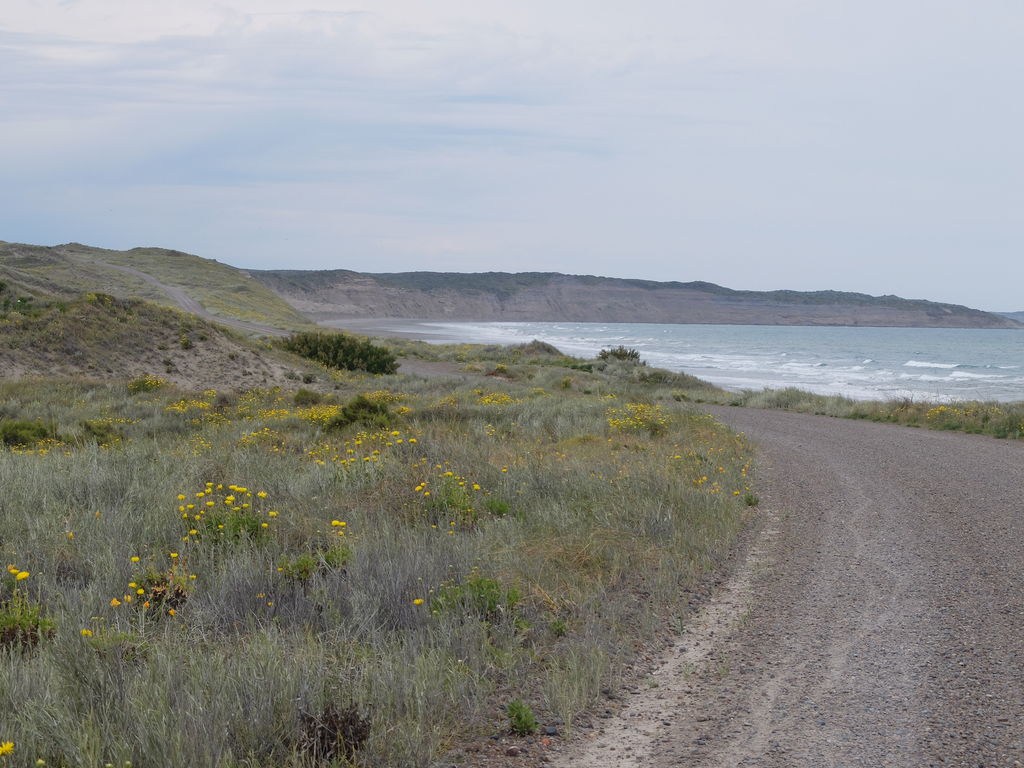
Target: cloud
(784, 144)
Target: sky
(759, 144)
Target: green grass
(998, 419)
(500, 541)
(220, 288)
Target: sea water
(862, 363)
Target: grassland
(212, 579)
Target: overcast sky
(847, 144)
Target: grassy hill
(65, 271)
(101, 337)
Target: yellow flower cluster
(232, 512)
(41, 448)
(384, 396)
(449, 495)
(318, 414)
(638, 417)
(186, 405)
(966, 412)
(364, 447)
(17, 573)
(270, 414)
(156, 590)
(493, 398)
(267, 437)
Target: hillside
(273, 301)
(202, 286)
(101, 337)
(1018, 316)
(533, 296)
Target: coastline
(398, 328)
(920, 364)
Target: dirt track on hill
(189, 304)
(878, 619)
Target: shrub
(99, 432)
(497, 507)
(341, 351)
(302, 567)
(333, 734)
(24, 432)
(145, 383)
(478, 594)
(619, 353)
(537, 348)
(21, 619)
(305, 397)
(360, 410)
(521, 719)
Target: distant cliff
(554, 297)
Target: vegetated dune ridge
(498, 296)
(105, 338)
(201, 286)
(876, 621)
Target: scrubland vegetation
(367, 574)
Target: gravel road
(878, 619)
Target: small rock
(513, 751)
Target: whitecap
(926, 364)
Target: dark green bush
(99, 432)
(304, 398)
(479, 594)
(24, 432)
(339, 350)
(620, 353)
(359, 410)
(521, 719)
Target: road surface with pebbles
(877, 619)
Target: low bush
(145, 383)
(361, 410)
(521, 719)
(305, 397)
(25, 432)
(341, 351)
(620, 352)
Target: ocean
(862, 363)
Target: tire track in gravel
(878, 620)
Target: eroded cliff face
(326, 296)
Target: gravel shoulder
(877, 620)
